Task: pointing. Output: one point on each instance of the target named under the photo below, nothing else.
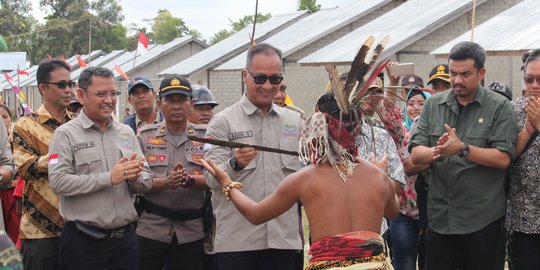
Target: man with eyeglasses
(255, 119)
(94, 166)
(41, 223)
(142, 97)
(467, 135)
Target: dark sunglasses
(63, 84)
(260, 79)
(530, 80)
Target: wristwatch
(189, 181)
(465, 150)
(234, 164)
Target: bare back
(335, 207)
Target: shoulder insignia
(156, 141)
(148, 127)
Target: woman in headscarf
(404, 229)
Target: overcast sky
(207, 16)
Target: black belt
(98, 233)
(175, 215)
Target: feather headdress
(332, 137)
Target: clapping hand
(448, 144)
(533, 113)
(176, 177)
(127, 169)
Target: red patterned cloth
(354, 250)
(347, 246)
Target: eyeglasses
(261, 79)
(63, 84)
(104, 94)
(530, 80)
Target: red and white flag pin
(53, 159)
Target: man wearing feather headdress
(345, 198)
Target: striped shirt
(31, 138)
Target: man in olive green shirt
(468, 136)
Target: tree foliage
(237, 26)
(166, 27)
(67, 28)
(310, 5)
(14, 17)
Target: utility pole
(89, 41)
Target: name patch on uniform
(158, 148)
(83, 145)
(241, 134)
(156, 141)
(194, 148)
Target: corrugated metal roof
(98, 62)
(515, 29)
(5, 85)
(126, 57)
(158, 52)
(405, 24)
(311, 29)
(232, 45)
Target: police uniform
(170, 227)
(162, 152)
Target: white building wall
(226, 87)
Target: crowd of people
(442, 176)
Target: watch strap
(234, 164)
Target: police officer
(203, 105)
(170, 229)
(281, 96)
